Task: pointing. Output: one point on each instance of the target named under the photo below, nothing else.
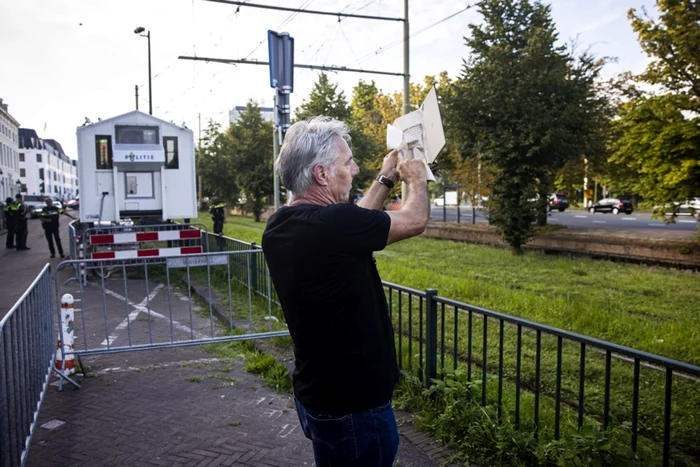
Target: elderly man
(319, 249)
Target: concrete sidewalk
(180, 407)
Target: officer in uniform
(8, 212)
(20, 213)
(218, 215)
(49, 221)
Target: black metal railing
(563, 375)
(554, 380)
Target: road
(576, 218)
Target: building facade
(44, 168)
(9, 154)
(268, 113)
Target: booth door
(142, 191)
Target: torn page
(419, 134)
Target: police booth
(136, 166)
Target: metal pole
(406, 82)
(459, 200)
(275, 153)
(136, 88)
(150, 88)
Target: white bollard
(67, 317)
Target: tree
(656, 137)
(215, 165)
(251, 157)
(522, 105)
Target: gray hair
(309, 143)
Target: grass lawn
(647, 308)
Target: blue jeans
(367, 439)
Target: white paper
(419, 134)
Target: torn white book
(419, 134)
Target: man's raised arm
(377, 193)
(413, 217)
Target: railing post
(431, 336)
(253, 267)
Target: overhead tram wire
(386, 47)
(227, 73)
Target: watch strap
(386, 181)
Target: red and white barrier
(153, 252)
(136, 237)
(67, 318)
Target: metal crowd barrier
(27, 351)
(153, 304)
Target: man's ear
(320, 175)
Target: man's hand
(389, 165)
(412, 171)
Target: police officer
(19, 210)
(218, 214)
(49, 221)
(9, 222)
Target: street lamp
(140, 31)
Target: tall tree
(656, 137)
(251, 162)
(521, 105)
(215, 165)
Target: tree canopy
(524, 105)
(655, 140)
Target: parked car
(32, 201)
(558, 201)
(689, 207)
(450, 196)
(613, 205)
(74, 203)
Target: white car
(690, 207)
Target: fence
(27, 350)
(152, 303)
(541, 379)
(547, 380)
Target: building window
(54, 176)
(172, 160)
(21, 157)
(133, 134)
(41, 174)
(22, 173)
(38, 157)
(103, 151)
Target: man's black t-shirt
(321, 263)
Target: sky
(64, 60)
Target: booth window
(136, 134)
(103, 151)
(172, 160)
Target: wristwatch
(386, 181)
